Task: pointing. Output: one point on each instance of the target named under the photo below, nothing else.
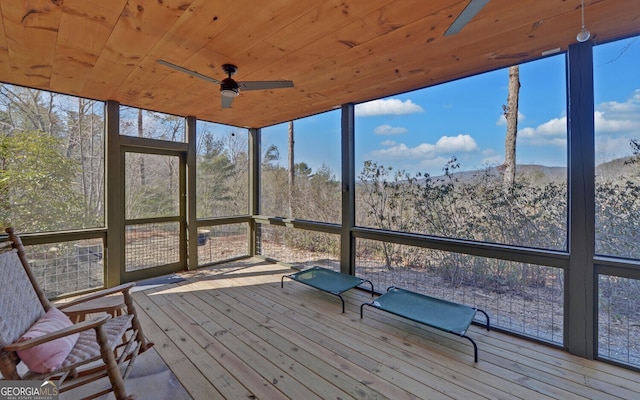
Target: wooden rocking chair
(35, 333)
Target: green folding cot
(327, 280)
(440, 314)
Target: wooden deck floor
(231, 332)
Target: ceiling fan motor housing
(227, 86)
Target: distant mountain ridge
(539, 174)
(542, 174)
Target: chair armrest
(82, 326)
(106, 292)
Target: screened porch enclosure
(136, 182)
(169, 196)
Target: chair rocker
(39, 342)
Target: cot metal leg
(487, 317)
(342, 300)
(370, 283)
(362, 306)
(475, 347)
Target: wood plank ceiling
(335, 51)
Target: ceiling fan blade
(226, 101)
(465, 16)
(262, 85)
(188, 71)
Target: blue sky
(419, 131)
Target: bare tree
(84, 143)
(141, 134)
(292, 172)
(511, 115)
(29, 109)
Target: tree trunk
(73, 137)
(83, 156)
(292, 172)
(141, 134)
(511, 114)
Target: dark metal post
(579, 328)
(191, 215)
(255, 145)
(114, 198)
(347, 241)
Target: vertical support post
(255, 145)
(114, 199)
(190, 194)
(580, 294)
(347, 241)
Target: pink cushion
(47, 357)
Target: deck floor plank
(397, 370)
(438, 357)
(547, 372)
(610, 380)
(415, 365)
(206, 332)
(225, 383)
(230, 331)
(283, 370)
(196, 384)
(235, 332)
(303, 328)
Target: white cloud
(463, 143)
(621, 120)
(614, 117)
(550, 133)
(401, 150)
(615, 107)
(610, 118)
(630, 109)
(605, 124)
(490, 157)
(553, 128)
(446, 145)
(609, 147)
(387, 107)
(389, 130)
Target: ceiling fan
(465, 16)
(229, 88)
